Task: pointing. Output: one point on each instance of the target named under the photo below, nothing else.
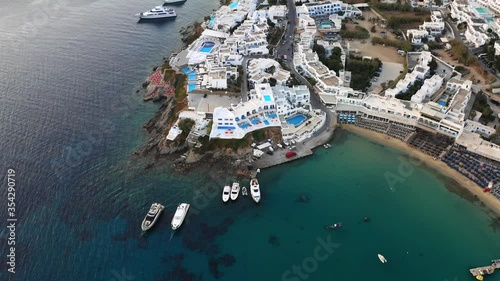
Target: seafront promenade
(303, 149)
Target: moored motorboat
(255, 190)
(225, 193)
(382, 258)
(244, 191)
(235, 191)
(152, 216)
(180, 215)
(158, 12)
(333, 226)
(175, 1)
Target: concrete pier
(485, 270)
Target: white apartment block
(262, 110)
(260, 70)
(429, 88)
(289, 100)
(417, 35)
(477, 36)
(476, 127)
(323, 9)
(419, 72)
(497, 48)
(227, 17)
(428, 29)
(277, 12)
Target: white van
(401, 52)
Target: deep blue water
(70, 120)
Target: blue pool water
(207, 47)
(244, 125)
(191, 88)
(226, 127)
(325, 24)
(192, 76)
(481, 10)
(255, 121)
(267, 98)
(211, 23)
(234, 5)
(266, 122)
(272, 115)
(296, 119)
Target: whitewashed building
(323, 9)
(260, 70)
(430, 87)
(276, 13)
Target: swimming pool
(481, 10)
(191, 88)
(206, 47)
(244, 125)
(272, 115)
(211, 23)
(267, 98)
(296, 119)
(266, 122)
(234, 5)
(325, 25)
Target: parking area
(390, 70)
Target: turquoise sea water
(424, 231)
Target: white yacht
(179, 215)
(235, 191)
(381, 258)
(174, 1)
(158, 12)
(152, 216)
(225, 193)
(255, 190)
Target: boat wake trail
(171, 236)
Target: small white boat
(255, 190)
(153, 214)
(225, 193)
(381, 258)
(235, 191)
(179, 215)
(244, 191)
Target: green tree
(186, 124)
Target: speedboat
(158, 12)
(179, 215)
(153, 214)
(333, 226)
(381, 258)
(225, 193)
(244, 191)
(255, 190)
(175, 1)
(235, 191)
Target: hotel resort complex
(234, 46)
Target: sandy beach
(489, 200)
